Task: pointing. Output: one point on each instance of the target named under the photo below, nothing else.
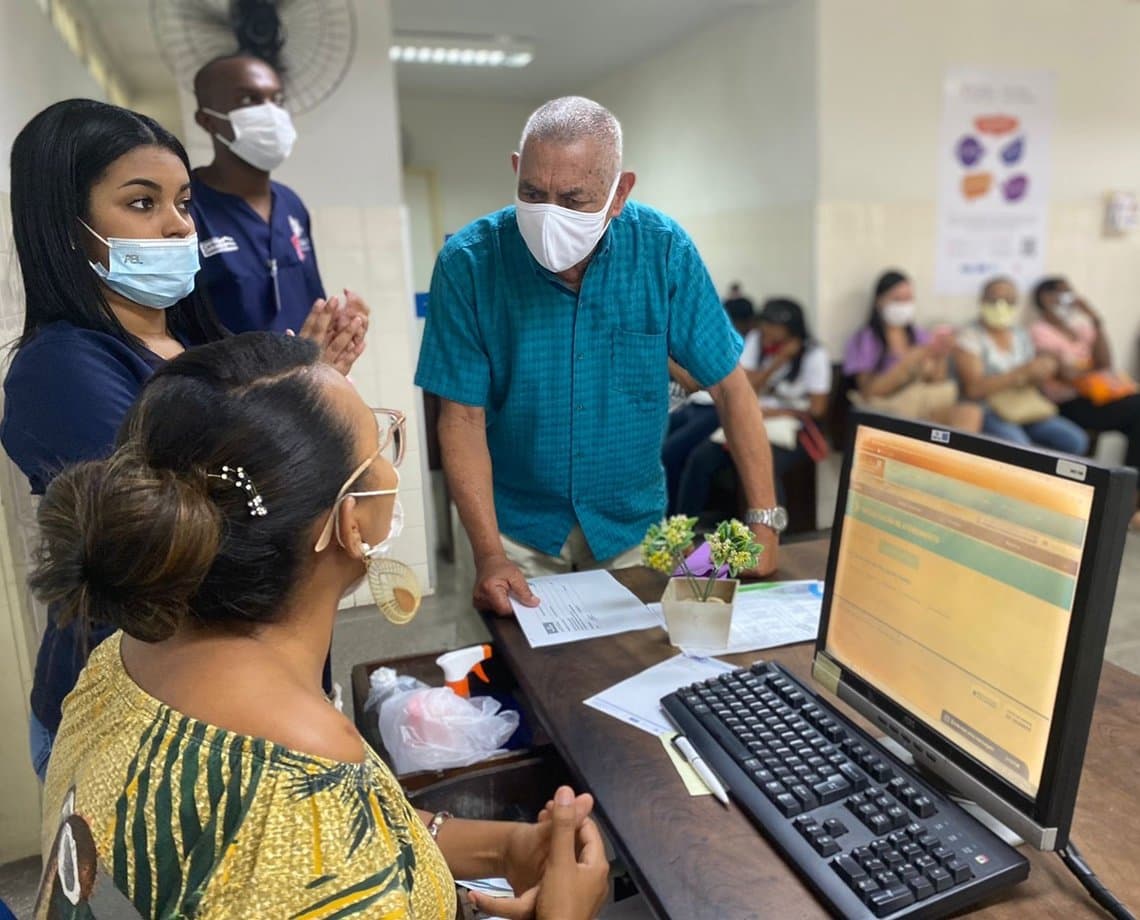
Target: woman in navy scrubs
(107, 250)
(100, 216)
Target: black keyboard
(867, 835)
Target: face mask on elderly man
(558, 237)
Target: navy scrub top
(260, 275)
(66, 394)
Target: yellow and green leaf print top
(150, 811)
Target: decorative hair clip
(237, 475)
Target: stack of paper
(582, 605)
(637, 700)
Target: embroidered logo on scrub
(300, 242)
(217, 244)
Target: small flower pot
(696, 623)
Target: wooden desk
(695, 859)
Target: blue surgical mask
(153, 273)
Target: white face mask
(559, 238)
(898, 312)
(263, 134)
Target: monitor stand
(972, 808)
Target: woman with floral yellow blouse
(199, 770)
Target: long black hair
(56, 159)
(783, 311)
(887, 280)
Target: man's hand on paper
(496, 579)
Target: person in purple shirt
(902, 369)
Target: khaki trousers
(575, 556)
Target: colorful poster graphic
(993, 170)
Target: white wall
(36, 69)
(721, 130)
(881, 65)
(467, 143)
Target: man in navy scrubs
(258, 260)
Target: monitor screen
(954, 583)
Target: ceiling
(575, 41)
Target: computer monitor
(969, 588)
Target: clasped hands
(338, 327)
(556, 866)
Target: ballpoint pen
(702, 769)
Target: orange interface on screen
(953, 589)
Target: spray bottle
(462, 662)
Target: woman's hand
(1042, 368)
(557, 867)
(338, 329)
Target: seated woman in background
(1086, 389)
(108, 257)
(900, 368)
(998, 366)
(792, 375)
(199, 769)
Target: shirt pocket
(640, 364)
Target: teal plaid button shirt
(575, 385)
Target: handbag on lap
(1022, 405)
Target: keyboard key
(906, 872)
(866, 888)
(914, 830)
(897, 839)
(921, 887)
(958, 870)
(878, 824)
(857, 780)
(874, 866)
(910, 850)
(886, 879)
(923, 807)
(879, 770)
(805, 797)
(893, 859)
(928, 842)
(773, 789)
(939, 878)
(898, 816)
(834, 788)
(848, 869)
(825, 845)
(925, 863)
(787, 804)
(942, 854)
(884, 802)
(835, 827)
(862, 855)
(891, 899)
(879, 847)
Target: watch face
(779, 519)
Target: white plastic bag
(431, 728)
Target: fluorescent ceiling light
(460, 50)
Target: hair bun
(124, 544)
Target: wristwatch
(773, 518)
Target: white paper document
(637, 700)
(581, 605)
(770, 614)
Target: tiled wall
(364, 249)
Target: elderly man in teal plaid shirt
(552, 327)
